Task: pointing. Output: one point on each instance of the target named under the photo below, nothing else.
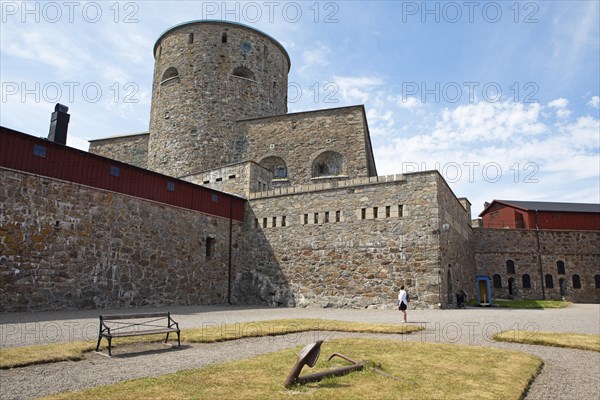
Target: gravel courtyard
(567, 374)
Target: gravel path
(567, 374)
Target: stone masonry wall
(351, 246)
(131, 149)
(300, 138)
(579, 250)
(68, 246)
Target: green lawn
(540, 304)
(424, 371)
(556, 339)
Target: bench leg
(98, 345)
(109, 343)
(178, 339)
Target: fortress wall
(132, 149)
(577, 249)
(342, 247)
(300, 138)
(68, 246)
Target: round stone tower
(207, 75)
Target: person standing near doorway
(403, 302)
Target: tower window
(243, 72)
(210, 247)
(510, 267)
(526, 281)
(191, 38)
(170, 74)
(549, 281)
(560, 266)
(224, 37)
(39, 150)
(497, 281)
(576, 282)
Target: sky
(502, 97)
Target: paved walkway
(567, 374)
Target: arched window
(597, 281)
(328, 163)
(497, 281)
(549, 281)
(510, 267)
(526, 281)
(276, 165)
(169, 75)
(243, 72)
(560, 266)
(576, 282)
(224, 37)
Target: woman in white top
(402, 302)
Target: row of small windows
(172, 74)
(382, 212)
(323, 218)
(548, 281)
(220, 179)
(560, 267)
(271, 222)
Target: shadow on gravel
(138, 350)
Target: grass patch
(437, 370)
(539, 304)
(209, 333)
(568, 340)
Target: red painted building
(509, 214)
(22, 152)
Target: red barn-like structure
(510, 214)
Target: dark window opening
(549, 281)
(576, 282)
(283, 222)
(337, 216)
(264, 222)
(497, 281)
(39, 150)
(388, 211)
(170, 74)
(511, 286)
(224, 37)
(363, 213)
(305, 219)
(316, 218)
(243, 72)
(191, 38)
(231, 177)
(210, 247)
(205, 182)
(375, 212)
(256, 222)
(214, 198)
(114, 171)
(326, 217)
(328, 163)
(510, 267)
(280, 172)
(597, 281)
(562, 286)
(171, 186)
(274, 222)
(560, 266)
(400, 211)
(526, 281)
(219, 180)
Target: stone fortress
(320, 228)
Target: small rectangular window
(191, 38)
(210, 247)
(337, 216)
(305, 219)
(283, 221)
(205, 182)
(274, 222)
(375, 212)
(214, 198)
(114, 171)
(399, 211)
(256, 222)
(316, 218)
(388, 211)
(219, 180)
(231, 176)
(39, 150)
(264, 222)
(171, 186)
(363, 213)
(326, 217)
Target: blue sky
(501, 97)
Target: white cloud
(559, 103)
(357, 89)
(594, 102)
(317, 57)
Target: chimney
(59, 123)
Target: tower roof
(226, 23)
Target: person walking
(403, 302)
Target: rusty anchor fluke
(309, 356)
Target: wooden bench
(124, 325)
